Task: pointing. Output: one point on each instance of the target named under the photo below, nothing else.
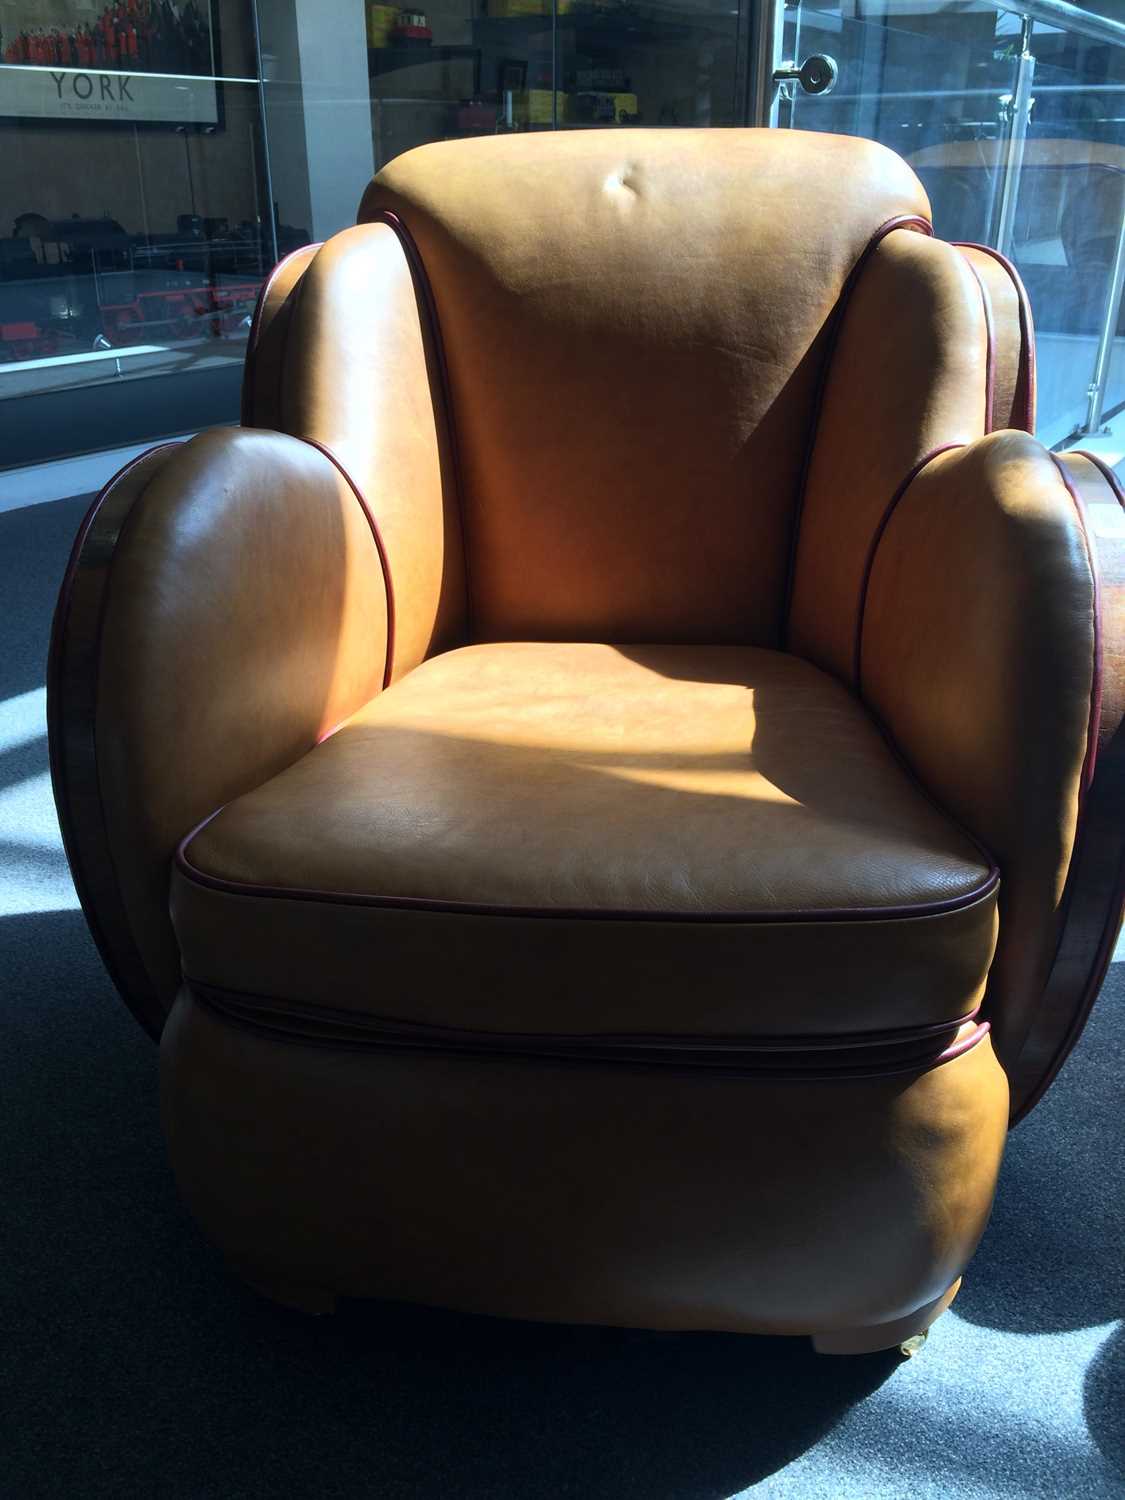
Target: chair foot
(905, 1334)
(300, 1296)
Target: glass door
(937, 86)
(1068, 227)
(1016, 128)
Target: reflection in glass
(479, 67)
(135, 230)
(1018, 134)
(161, 154)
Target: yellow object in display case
(605, 107)
(381, 22)
(539, 111)
(510, 8)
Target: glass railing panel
(1069, 212)
(930, 84)
(1017, 130)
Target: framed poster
(148, 62)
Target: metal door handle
(816, 75)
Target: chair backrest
(625, 364)
(635, 329)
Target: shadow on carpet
(136, 1365)
(133, 1365)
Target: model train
(71, 286)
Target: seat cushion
(579, 841)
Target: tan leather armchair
(608, 785)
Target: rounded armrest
(982, 649)
(1095, 895)
(224, 608)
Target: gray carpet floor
(132, 1365)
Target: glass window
(136, 226)
(1017, 130)
(524, 65)
(1067, 223)
(161, 155)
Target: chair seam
(784, 916)
(872, 551)
(1026, 374)
(781, 1042)
(380, 548)
(1096, 677)
(60, 773)
(697, 1062)
(917, 224)
(990, 349)
(1101, 959)
(421, 280)
(248, 393)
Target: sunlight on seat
(720, 782)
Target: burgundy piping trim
(422, 284)
(59, 777)
(877, 537)
(1095, 720)
(1082, 1012)
(1026, 376)
(1113, 913)
(466, 908)
(377, 536)
(836, 320)
(958, 1049)
(248, 368)
(899, 1036)
(696, 1060)
(63, 605)
(1107, 474)
(889, 739)
(990, 350)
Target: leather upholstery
(243, 617)
(1093, 901)
(978, 651)
(607, 291)
(583, 1194)
(597, 832)
(910, 365)
(1013, 338)
(593, 718)
(356, 307)
(73, 677)
(267, 348)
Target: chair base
(287, 1219)
(906, 1334)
